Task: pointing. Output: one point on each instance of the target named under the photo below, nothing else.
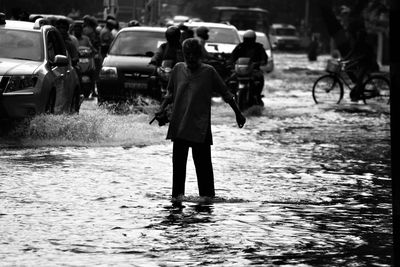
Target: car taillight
(17, 83)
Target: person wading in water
(190, 90)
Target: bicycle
(329, 88)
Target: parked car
(126, 71)
(264, 40)
(36, 75)
(284, 36)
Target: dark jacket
(166, 51)
(255, 51)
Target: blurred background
(305, 15)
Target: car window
(136, 43)
(221, 35)
(285, 32)
(21, 44)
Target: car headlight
(17, 83)
(108, 73)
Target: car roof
(47, 16)
(209, 24)
(144, 29)
(241, 8)
(282, 25)
(20, 25)
(241, 32)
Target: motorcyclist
(106, 37)
(89, 29)
(170, 50)
(63, 26)
(186, 32)
(256, 52)
(83, 40)
(133, 23)
(219, 63)
(202, 36)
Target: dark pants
(201, 154)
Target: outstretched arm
(240, 119)
(228, 97)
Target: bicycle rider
(364, 58)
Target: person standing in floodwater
(190, 90)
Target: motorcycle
(243, 83)
(87, 70)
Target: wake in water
(94, 126)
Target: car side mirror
(60, 61)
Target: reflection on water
(299, 185)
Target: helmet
(111, 23)
(133, 23)
(249, 36)
(173, 34)
(202, 32)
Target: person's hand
(162, 117)
(240, 119)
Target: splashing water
(92, 127)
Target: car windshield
(225, 36)
(285, 32)
(222, 35)
(137, 43)
(19, 44)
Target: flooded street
(300, 185)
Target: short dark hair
(192, 45)
(62, 23)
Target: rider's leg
(259, 85)
(356, 91)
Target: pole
(307, 14)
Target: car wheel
(51, 102)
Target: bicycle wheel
(327, 89)
(376, 90)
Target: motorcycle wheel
(242, 98)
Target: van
(242, 17)
(284, 36)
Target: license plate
(136, 86)
(84, 60)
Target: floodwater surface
(299, 185)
